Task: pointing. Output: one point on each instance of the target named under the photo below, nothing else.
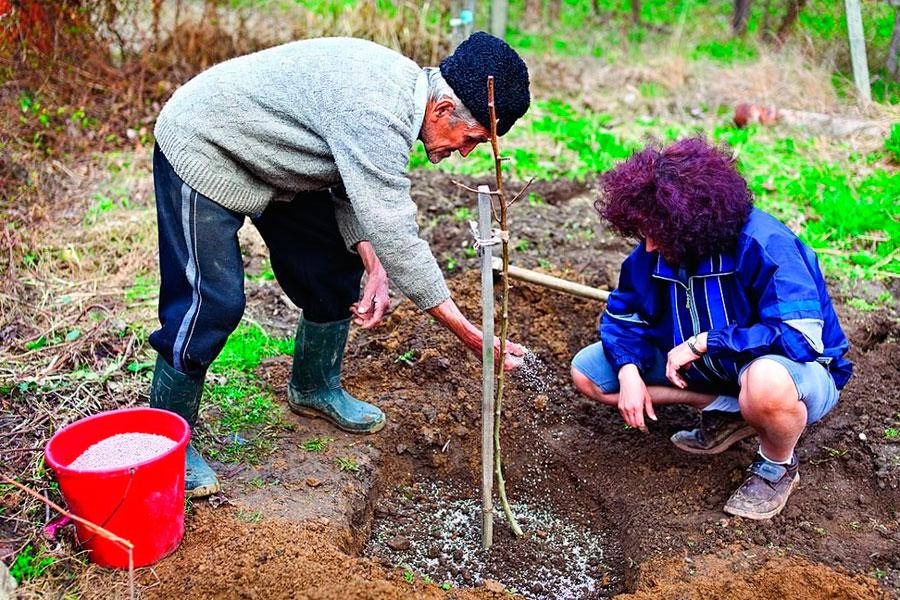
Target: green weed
(30, 564)
(145, 287)
(249, 516)
(347, 464)
(265, 272)
(316, 444)
(892, 433)
(243, 413)
(249, 345)
(862, 305)
(892, 142)
(406, 357)
(463, 214)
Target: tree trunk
(635, 11)
(895, 42)
(554, 10)
(533, 12)
(793, 11)
(740, 17)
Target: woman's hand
(634, 398)
(680, 357)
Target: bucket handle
(116, 509)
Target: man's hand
(375, 300)
(681, 356)
(515, 354)
(448, 315)
(634, 398)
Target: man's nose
(466, 150)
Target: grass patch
(243, 416)
(30, 564)
(347, 464)
(316, 444)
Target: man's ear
(444, 108)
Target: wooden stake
(553, 283)
(499, 17)
(858, 49)
(504, 315)
(487, 361)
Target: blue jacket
(767, 297)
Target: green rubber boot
(176, 392)
(315, 388)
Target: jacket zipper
(695, 323)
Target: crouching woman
(720, 307)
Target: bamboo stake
(553, 283)
(504, 315)
(487, 361)
(96, 529)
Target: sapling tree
(499, 206)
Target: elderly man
(310, 140)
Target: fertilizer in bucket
(124, 471)
(122, 450)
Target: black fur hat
(467, 70)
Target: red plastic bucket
(143, 503)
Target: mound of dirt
(710, 577)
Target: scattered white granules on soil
(122, 450)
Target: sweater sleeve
(371, 150)
(351, 230)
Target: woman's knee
(590, 389)
(766, 385)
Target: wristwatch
(691, 342)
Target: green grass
(316, 444)
(30, 564)
(347, 464)
(243, 413)
(247, 346)
(892, 143)
(851, 217)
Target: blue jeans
(201, 296)
(815, 386)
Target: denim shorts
(815, 385)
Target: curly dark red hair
(687, 197)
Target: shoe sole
(203, 491)
(308, 412)
(756, 516)
(722, 446)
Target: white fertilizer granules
(122, 450)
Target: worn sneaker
(718, 431)
(765, 491)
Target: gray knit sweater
(306, 116)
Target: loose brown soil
(656, 513)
